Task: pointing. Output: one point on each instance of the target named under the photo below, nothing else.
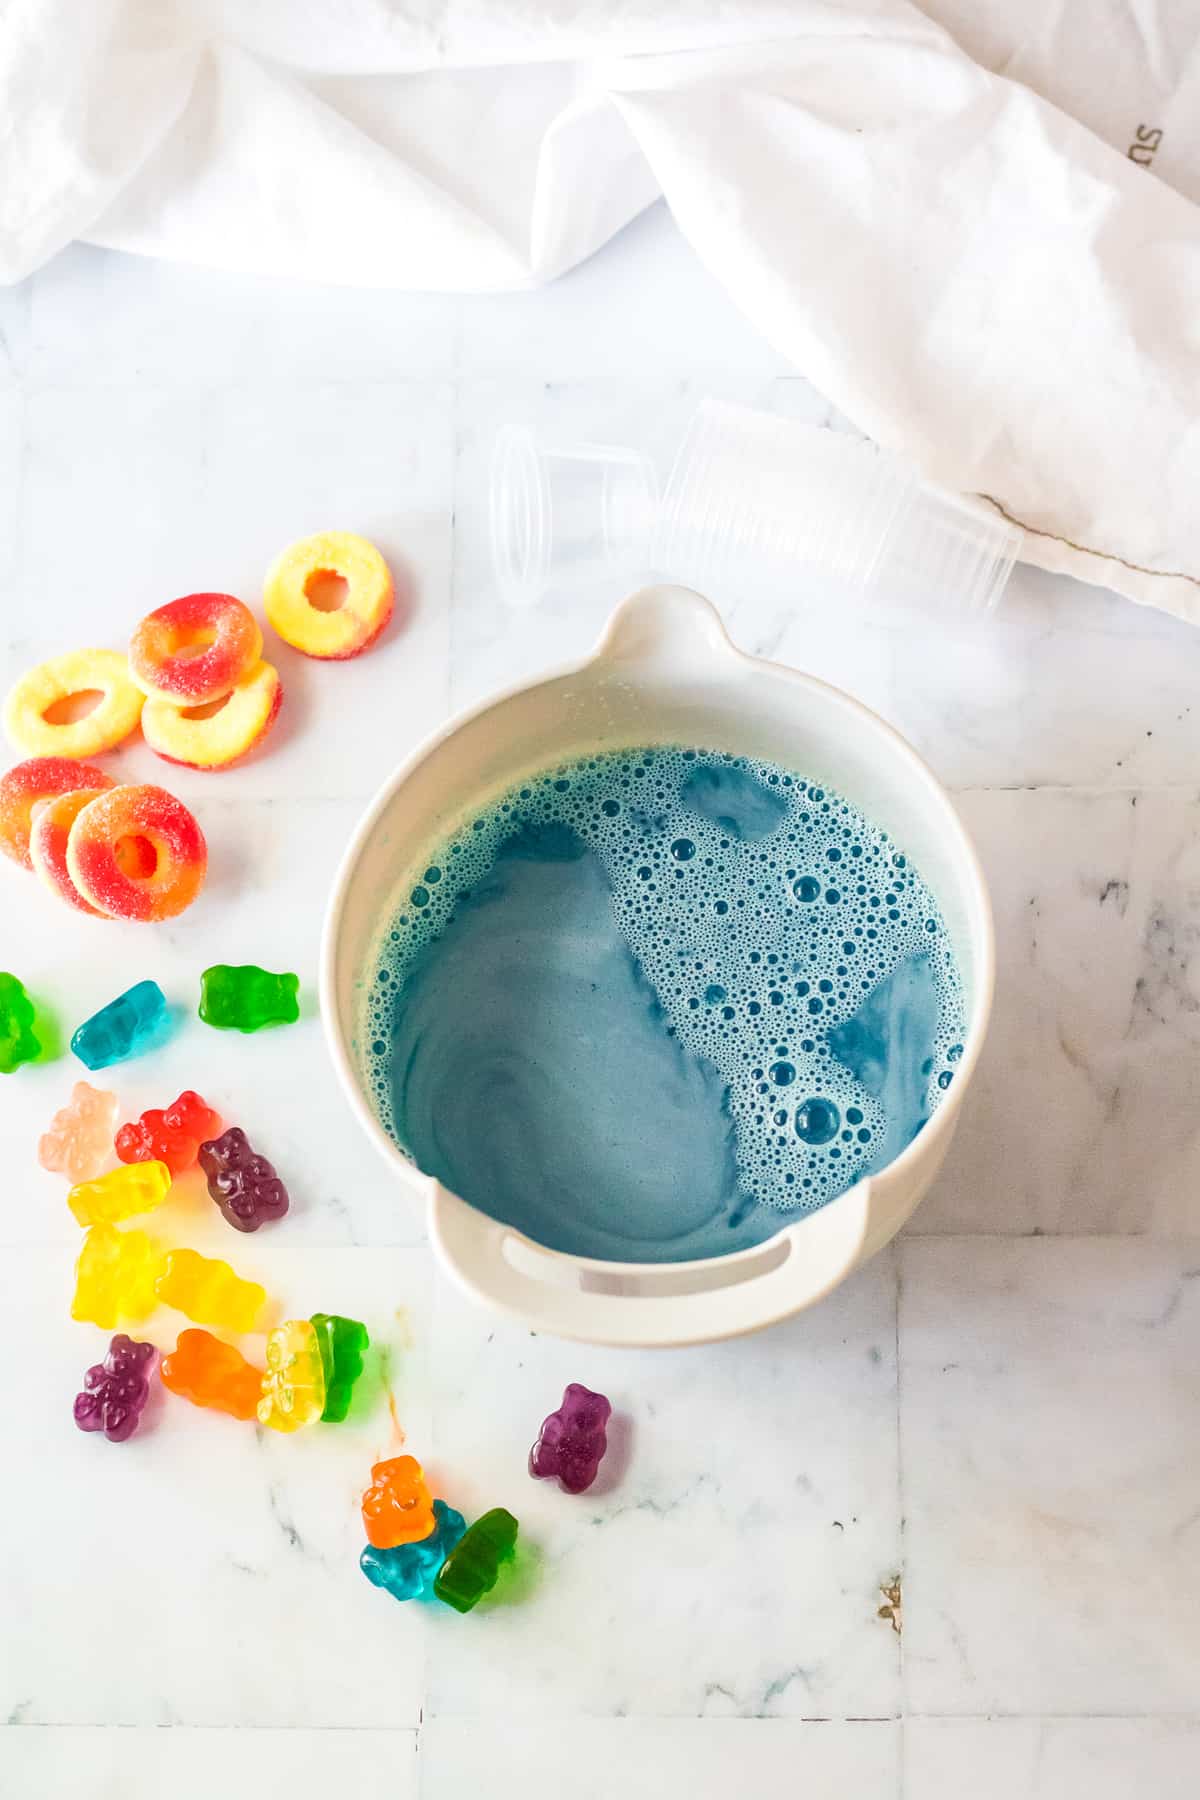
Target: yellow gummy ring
(78, 672)
(215, 737)
(290, 595)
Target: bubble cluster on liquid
(763, 909)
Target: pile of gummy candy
(418, 1547)
(195, 681)
(311, 1364)
(197, 684)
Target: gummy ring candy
(44, 690)
(217, 735)
(137, 853)
(48, 846)
(24, 788)
(329, 596)
(193, 650)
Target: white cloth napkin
(969, 224)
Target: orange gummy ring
(27, 785)
(194, 650)
(329, 596)
(48, 846)
(227, 734)
(43, 690)
(137, 853)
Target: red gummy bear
(172, 1135)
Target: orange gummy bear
(397, 1507)
(210, 1373)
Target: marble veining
(936, 1537)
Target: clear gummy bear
(78, 1142)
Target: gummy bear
(207, 1290)
(76, 1142)
(342, 1342)
(125, 1026)
(115, 1390)
(171, 1134)
(210, 1373)
(408, 1571)
(243, 997)
(293, 1388)
(473, 1567)
(397, 1508)
(18, 1042)
(243, 1184)
(572, 1440)
(115, 1276)
(120, 1194)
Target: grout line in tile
(477, 1721)
(1039, 1235)
(176, 1725)
(452, 597)
(1086, 788)
(1052, 1718)
(902, 1523)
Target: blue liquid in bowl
(653, 1004)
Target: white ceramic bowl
(664, 672)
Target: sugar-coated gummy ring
(78, 672)
(293, 590)
(30, 783)
(226, 735)
(194, 650)
(48, 846)
(137, 853)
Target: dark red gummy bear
(243, 1184)
(115, 1391)
(572, 1440)
(172, 1135)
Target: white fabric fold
(972, 232)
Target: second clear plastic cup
(757, 499)
(755, 495)
(562, 517)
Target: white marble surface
(1003, 1410)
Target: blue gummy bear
(126, 1025)
(408, 1571)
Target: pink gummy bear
(79, 1141)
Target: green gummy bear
(245, 997)
(473, 1566)
(18, 1044)
(342, 1342)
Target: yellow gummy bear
(115, 1276)
(133, 1188)
(209, 1292)
(293, 1388)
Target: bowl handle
(646, 1304)
(666, 628)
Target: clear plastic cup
(564, 516)
(753, 488)
(757, 499)
(754, 501)
(947, 549)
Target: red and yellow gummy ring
(226, 734)
(193, 650)
(48, 846)
(27, 785)
(329, 596)
(50, 688)
(137, 853)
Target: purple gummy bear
(115, 1391)
(572, 1441)
(243, 1184)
